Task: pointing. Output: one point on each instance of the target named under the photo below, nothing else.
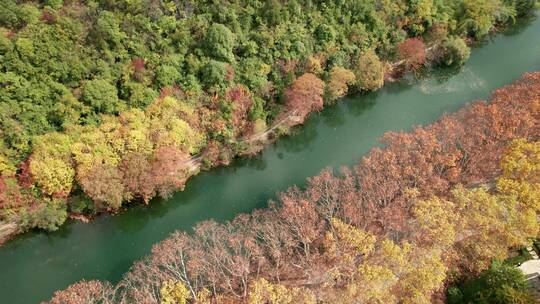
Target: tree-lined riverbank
(105, 248)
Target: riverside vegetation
(433, 206)
(107, 102)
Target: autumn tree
(305, 95)
(174, 293)
(345, 245)
(521, 173)
(241, 102)
(85, 292)
(51, 164)
(387, 230)
(339, 82)
(436, 219)
(484, 228)
(137, 176)
(264, 292)
(104, 185)
(413, 53)
(369, 71)
(170, 170)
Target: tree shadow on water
(257, 162)
(137, 216)
(520, 25)
(359, 103)
(442, 74)
(333, 115)
(300, 138)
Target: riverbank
(107, 142)
(247, 146)
(106, 247)
(426, 189)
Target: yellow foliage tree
(373, 284)
(436, 220)
(51, 163)
(264, 292)
(485, 233)
(168, 125)
(53, 175)
(426, 275)
(174, 293)
(521, 173)
(344, 244)
(369, 71)
(339, 82)
(135, 131)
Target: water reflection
(519, 26)
(333, 116)
(301, 137)
(357, 105)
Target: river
(36, 264)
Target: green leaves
(100, 95)
(219, 42)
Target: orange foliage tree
(413, 52)
(380, 230)
(305, 95)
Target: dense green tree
(167, 75)
(213, 74)
(219, 42)
(100, 95)
(500, 284)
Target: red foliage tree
(11, 195)
(25, 178)
(413, 52)
(47, 17)
(305, 95)
(170, 170)
(138, 68)
(242, 103)
(137, 176)
(104, 185)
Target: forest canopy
(98, 98)
(437, 204)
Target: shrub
(369, 71)
(455, 52)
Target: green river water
(36, 264)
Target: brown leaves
(103, 183)
(85, 292)
(376, 231)
(305, 95)
(413, 52)
(242, 103)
